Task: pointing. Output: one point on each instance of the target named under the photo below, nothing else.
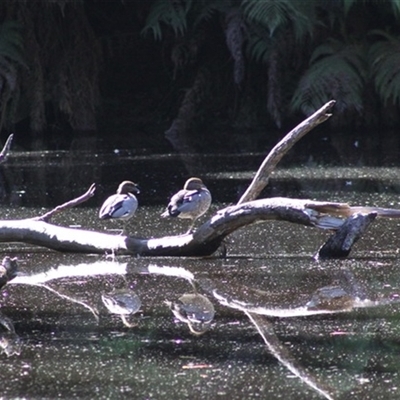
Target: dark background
(215, 75)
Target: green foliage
(337, 71)
(276, 14)
(171, 13)
(181, 15)
(384, 58)
(258, 47)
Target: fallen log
(203, 242)
(209, 236)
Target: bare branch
(6, 149)
(205, 241)
(69, 204)
(209, 236)
(339, 245)
(261, 178)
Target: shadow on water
(265, 322)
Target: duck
(191, 202)
(121, 205)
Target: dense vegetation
(231, 74)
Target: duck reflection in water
(343, 295)
(122, 205)
(123, 302)
(8, 270)
(191, 202)
(195, 310)
(10, 342)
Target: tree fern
(384, 57)
(337, 71)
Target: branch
(6, 149)
(209, 237)
(203, 242)
(69, 204)
(261, 178)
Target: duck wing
(118, 206)
(184, 202)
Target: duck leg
(124, 231)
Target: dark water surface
(274, 322)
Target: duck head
(128, 187)
(194, 184)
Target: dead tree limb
(203, 242)
(260, 180)
(69, 204)
(6, 149)
(208, 237)
(339, 245)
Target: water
(265, 340)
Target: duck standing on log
(191, 202)
(121, 205)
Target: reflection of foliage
(121, 346)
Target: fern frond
(396, 7)
(275, 14)
(338, 74)
(169, 12)
(384, 57)
(258, 48)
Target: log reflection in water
(278, 350)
